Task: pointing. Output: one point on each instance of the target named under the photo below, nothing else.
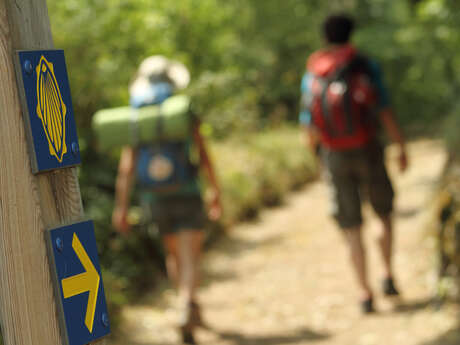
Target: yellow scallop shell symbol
(51, 108)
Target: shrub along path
(285, 279)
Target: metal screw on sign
(59, 244)
(105, 320)
(28, 67)
(74, 148)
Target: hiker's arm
(124, 182)
(386, 114)
(215, 210)
(312, 138)
(388, 121)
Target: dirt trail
(285, 279)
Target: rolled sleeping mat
(130, 126)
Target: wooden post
(28, 204)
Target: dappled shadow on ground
(130, 342)
(296, 337)
(426, 181)
(235, 338)
(414, 306)
(407, 213)
(210, 278)
(451, 337)
(235, 246)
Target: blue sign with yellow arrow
(78, 283)
(49, 117)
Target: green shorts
(178, 213)
(355, 175)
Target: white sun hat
(157, 78)
(159, 67)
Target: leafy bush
(259, 169)
(445, 227)
(247, 57)
(450, 128)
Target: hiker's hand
(215, 207)
(318, 163)
(120, 220)
(403, 161)
(317, 150)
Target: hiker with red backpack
(163, 151)
(344, 103)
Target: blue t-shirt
(376, 79)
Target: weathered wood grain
(28, 204)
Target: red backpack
(343, 98)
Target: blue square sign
(48, 111)
(78, 283)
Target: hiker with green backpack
(344, 104)
(163, 150)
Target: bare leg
(189, 254)
(385, 242)
(358, 260)
(172, 258)
(183, 252)
(182, 263)
(386, 248)
(190, 243)
(197, 238)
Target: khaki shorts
(354, 176)
(180, 213)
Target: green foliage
(246, 58)
(258, 170)
(415, 43)
(445, 228)
(450, 129)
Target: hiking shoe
(190, 319)
(389, 288)
(195, 316)
(367, 306)
(187, 336)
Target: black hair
(338, 28)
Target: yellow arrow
(87, 281)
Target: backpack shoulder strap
(134, 126)
(322, 98)
(159, 125)
(359, 62)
